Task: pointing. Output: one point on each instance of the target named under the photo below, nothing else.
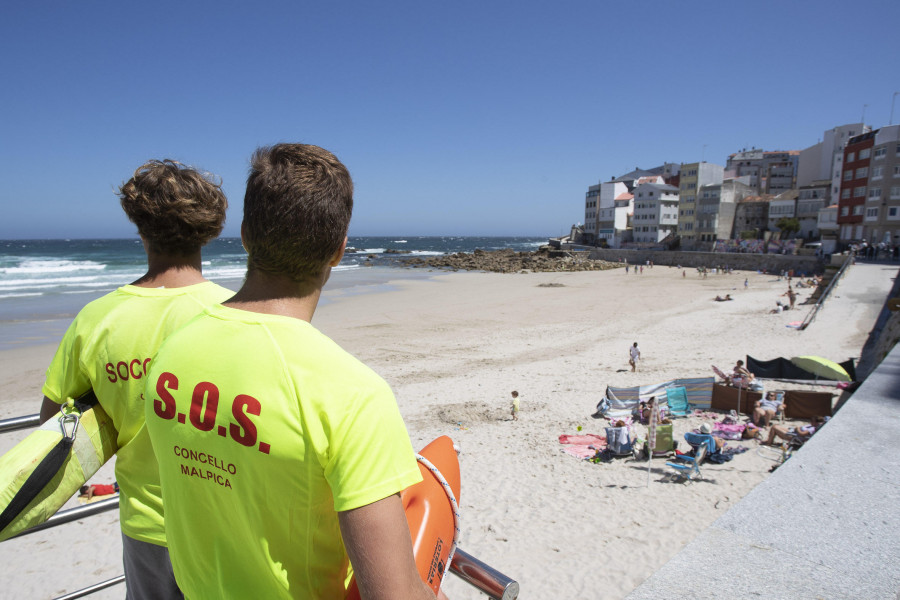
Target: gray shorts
(148, 571)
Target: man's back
(109, 348)
(263, 429)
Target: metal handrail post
(16, 423)
(483, 577)
(94, 588)
(73, 514)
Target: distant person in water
(110, 344)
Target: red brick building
(854, 183)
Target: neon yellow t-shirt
(109, 347)
(263, 429)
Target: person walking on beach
(111, 342)
(515, 405)
(634, 356)
(310, 449)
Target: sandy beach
(453, 347)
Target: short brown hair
(176, 208)
(296, 210)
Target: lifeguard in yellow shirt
(111, 344)
(281, 455)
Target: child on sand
(515, 405)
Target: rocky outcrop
(510, 261)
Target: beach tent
(621, 402)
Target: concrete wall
(741, 262)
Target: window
(857, 210)
(897, 171)
(895, 192)
(845, 211)
(862, 172)
(874, 193)
(879, 153)
(848, 174)
(851, 156)
(863, 154)
(872, 213)
(876, 172)
(859, 192)
(845, 193)
(892, 211)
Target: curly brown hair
(176, 208)
(297, 210)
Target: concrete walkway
(825, 525)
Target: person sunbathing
(765, 409)
(789, 434)
(727, 298)
(98, 489)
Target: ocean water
(44, 283)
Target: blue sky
(454, 118)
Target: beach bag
(751, 432)
(48, 467)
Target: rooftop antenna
(865, 106)
(894, 97)
(703, 153)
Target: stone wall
(741, 262)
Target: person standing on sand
(109, 345)
(634, 356)
(311, 452)
(515, 405)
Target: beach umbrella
(821, 367)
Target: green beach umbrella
(821, 367)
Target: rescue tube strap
(37, 481)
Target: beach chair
(676, 398)
(779, 397)
(688, 467)
(725, 378)
(698, 440)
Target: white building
(824, 159)
(655, 212)
(782, 206)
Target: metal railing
(811, 316)
(482, 576)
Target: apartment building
(716, 208)
(752, 216)
(655, 212)
(769, 172)
(608, 205)
(693, 177)
(881, 219)
(811, 199)
(854, 186)
(824, 160)
(782, 206)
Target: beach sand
(453, 348)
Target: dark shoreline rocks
(509, 261)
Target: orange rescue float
(430, 514)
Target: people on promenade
(634, 355)
(111, 342)
(310, 451)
